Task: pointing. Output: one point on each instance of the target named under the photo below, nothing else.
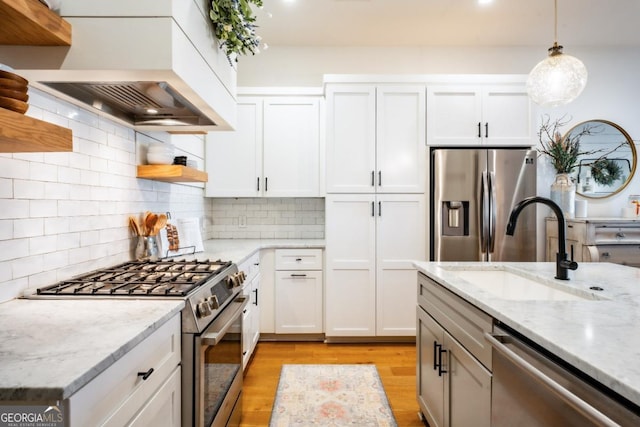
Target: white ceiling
(448, 23)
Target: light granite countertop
(50, 348)
(599, 337)
(238, 250)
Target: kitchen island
(596, 332)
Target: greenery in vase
(563, 151)
(234, 25)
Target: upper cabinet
(471, 115)
(376, 138)
(274, 151)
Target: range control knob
(229, 280)
(240, 276)
(213, 302)
(202, 309)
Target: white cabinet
(274, 151)
(122, 395)
(371, 242)
(453, 360)
(376, 138)
(298, 298)
(251, 314)
(468, 115)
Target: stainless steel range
(211, 325)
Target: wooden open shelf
(29, 22)
(24, 134)
(171, 173)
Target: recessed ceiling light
(485, 1)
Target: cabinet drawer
(298, 259)
(117, 394)
(462, 320)
(250, 266)
(618, 254)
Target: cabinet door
(467, 388)
(430, 385)
(401, 153)
(298, 302)
(234, 159)
(291, 152)
(350, 263)
(508, 117)
(164, 408)
(400, 238)
(351, 145)
(454, 115)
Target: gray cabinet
(454, 360)
(615, 240)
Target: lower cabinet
(298, 291)
(453, 385)
(121, 395)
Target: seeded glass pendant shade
(558, 79)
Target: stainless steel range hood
(152, 66)
(137, 103)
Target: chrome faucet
(563, 265)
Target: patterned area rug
(331, 395)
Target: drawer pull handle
(606, 254)
(298, 259)
(145, 375)
(298, 275)
(620, 235)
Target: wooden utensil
(150, 223)
(14, 105)
(14, 94)
(13, 76)
(13, 85)
(160, 223)
(133, 224)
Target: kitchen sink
(513, 286)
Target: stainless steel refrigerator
(472, 194)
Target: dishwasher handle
(497, 342)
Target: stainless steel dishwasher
(531, 388)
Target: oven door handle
(213, 337)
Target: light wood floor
(396, 364)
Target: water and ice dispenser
(455, 218)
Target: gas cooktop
(170, 278)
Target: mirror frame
(633, 154)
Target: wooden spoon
(160, 223)
(133, 223)
(150, 223)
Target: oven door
(218, 376)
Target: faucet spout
(563, 264)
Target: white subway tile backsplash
(28, 227)
(12, 208)
(65, 214)
(6, 188)
(28, 189)
(267, 218)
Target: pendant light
(558, 79)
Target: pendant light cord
(555, 22)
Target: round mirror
(607, 159)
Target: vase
(563, 193)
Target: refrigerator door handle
(492, 210)
(484, 212)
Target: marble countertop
(599, 337)
(238, 250)
(50, 348)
